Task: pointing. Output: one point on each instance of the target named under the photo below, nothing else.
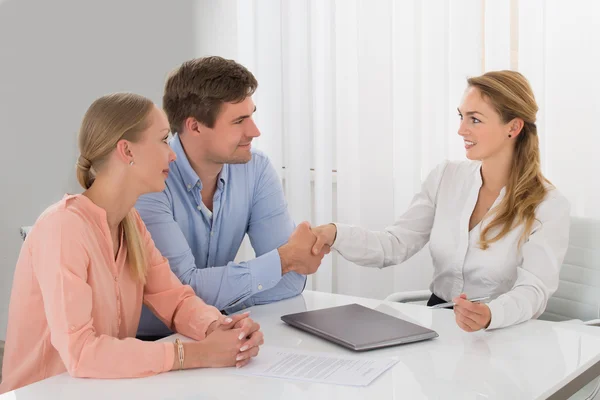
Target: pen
(451, 303)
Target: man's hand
(296, 255)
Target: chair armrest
(409, 296)
(591, 322)
(25, 231)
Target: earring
(508, 136)
(131, 163)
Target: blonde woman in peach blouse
(89, 263)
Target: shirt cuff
(194, 317)
(265, 271)
(497, 314)
(169, 356)
(343, 234)
(240, 306)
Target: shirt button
(259, 286)
(199, 207)
(211, 233)
(189, 186)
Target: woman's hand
(249, 334)
(252, 339)
(470, 316)
(219, 349)
(326, 235)
(226, 322)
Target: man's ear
(193, 127)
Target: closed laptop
(358, 328)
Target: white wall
(391, 74)
(56, 57)
(216, 28)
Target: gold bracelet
(180, 352)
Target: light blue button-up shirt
(201, 245)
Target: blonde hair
(511, 95)
(109, 119)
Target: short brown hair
(199, 87)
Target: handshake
(306, 248)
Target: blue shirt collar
(224, 174)
(188, 175)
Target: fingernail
(244, 348)
(242, 335)
(239, 358)
(238, 365)
(228, 320)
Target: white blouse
(519, 280)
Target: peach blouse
(75, 307)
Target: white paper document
(278, 362)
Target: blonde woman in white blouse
(496, 226)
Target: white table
(534, 360)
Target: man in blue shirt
(218, 190)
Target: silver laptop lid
(358, 327)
